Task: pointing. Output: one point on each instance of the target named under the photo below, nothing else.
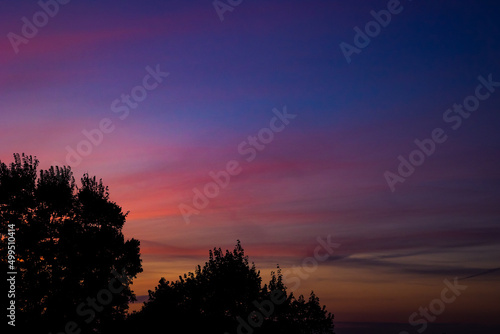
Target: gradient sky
(322, 175)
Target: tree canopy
(226, 296)
(72, 261)
(74, 269)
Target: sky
(370, 125)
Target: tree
(73, 264)
(225, 296)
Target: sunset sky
(323, 171)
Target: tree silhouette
(73, 264)
(74, 269)
(225, 296)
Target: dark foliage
(68, 244)
(226, 296)
(74, 269)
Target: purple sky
(323, 173)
